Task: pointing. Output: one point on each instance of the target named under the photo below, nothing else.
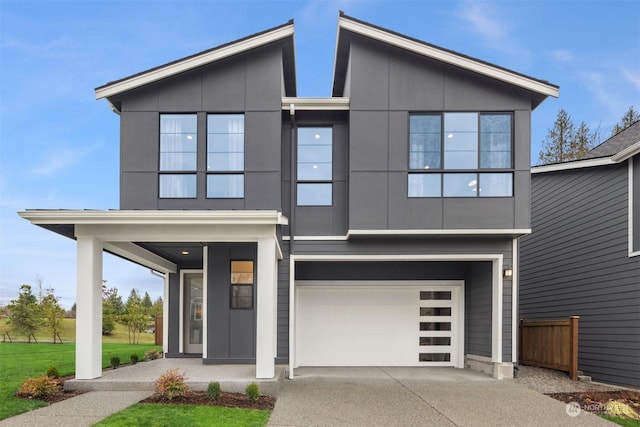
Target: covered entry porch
(133, 235)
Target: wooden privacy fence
(550, 344)
(158, 330)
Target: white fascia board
(627, 153)
(193, 62)
(579, 164)
(449, 57)
(123, 217)
(441, 232)
(316, 104)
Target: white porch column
(266, 306)
(89, 308)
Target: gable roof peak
(349, 24)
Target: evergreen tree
(564, 142)
(629, 118)
(146, 301)
(26, 315)
(53, 314)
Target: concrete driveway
(415, 397)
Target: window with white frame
(460, 155)
(225, 156)
(315, 166)
(178, 155)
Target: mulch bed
(596, 401)
(58, 396)
(230, 400)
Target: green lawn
(19, 361)
(68, 333)
(145, 414)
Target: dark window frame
(251, 285)
(478, 171)
(169, 172)
(299, 181)
(214, 172)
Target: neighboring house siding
(576, 263)
(386, 85)
(636, 203)
(250, 84)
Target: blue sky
(59, 146)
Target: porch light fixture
(508, 272)
(185, 252)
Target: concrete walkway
(335, 397)
(80, 411)
(415, 397)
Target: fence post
(573, 347)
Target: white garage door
(379, 323)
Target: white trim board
(195, 61)
(448, 57)
(496, 286)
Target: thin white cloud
(494, 29)
(62, 158)
(632, 76)
(560, 55)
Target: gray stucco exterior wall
(386, 86)
(249, 84)
(576, 263)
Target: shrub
(52, 372)
(253, 392)
(213, 390)
(38, 387)
(115, 362)
(171, 384)
(152, 354)
(134, 358)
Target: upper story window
(315, 166)
(178, 155)
(225, 156)
(460, 155)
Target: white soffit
(195, 61)
(579, 164)
(449, 57)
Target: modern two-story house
(375, 227)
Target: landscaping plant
(115, 362)
(152, 354)
(40, 387)
(253, 392)
(171, 384)
(134, 358)
(52, 372)
(213, 390)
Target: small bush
(213, 390)
(152, 354)
(115, 362)
(52, 372)
(171, 384)
(38, 387)
(253, 392)
(134, 358)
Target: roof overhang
(408, 233)
(144, 217)
(194, 61)
(444, 55)
(619, 157)
(292, 104)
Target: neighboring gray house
(375, 227)
(583, 257)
